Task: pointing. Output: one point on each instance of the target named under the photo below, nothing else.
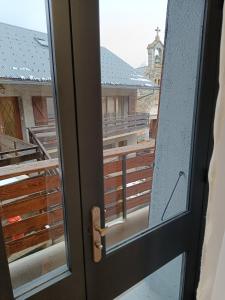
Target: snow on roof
(21, 54)
(141, 70)
(24, 55)
(115, 71)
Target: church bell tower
(155, 59)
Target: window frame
(63, 29)
(73, 279)
(203, 139)
(201, 152)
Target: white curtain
(212, 279)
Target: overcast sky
(126, 26)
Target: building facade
(26, 92)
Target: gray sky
(126, 26)
(25, 13)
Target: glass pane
(131, 76)
(147, 150)
(164, 284)
(30, 173)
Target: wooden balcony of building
(45, 135)
(32, 205)
(116, 124)
(14, 151)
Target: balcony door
(10, 122)
(143, 203)
(126, 222)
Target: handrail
(34, 147)
(118, 124)
(112, 124)
(34, 140)
(10, 171)
(10, 143)
(119, 151)
(15, 151)
(25, 169)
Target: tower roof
(157, 39)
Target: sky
(126, 26)
(25, 13)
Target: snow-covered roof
(141, 70)
(115, 71)
(24, 56)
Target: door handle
(98, 233)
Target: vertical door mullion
(61, 49)
(86, 51)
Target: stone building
(148, 101)
(155, 59)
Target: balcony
(14, 151)
(115, 124)
(31, 199)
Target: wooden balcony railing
(14, 151)
(31, 203)
(114, 124)
(46, 140)
(31, 206)
(8, 143)
(128, 175)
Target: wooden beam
(19, 159)
(33, 224)
(34, 239)
(134, 203)
(28, 168)
(29, 186)
(115, 196)
(31, 204)
(128, 149)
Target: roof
(24, 56)
(141, 70)
(115, 71)
(155, 42)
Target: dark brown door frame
(65, 16)
(71, 283)
(184, 231)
